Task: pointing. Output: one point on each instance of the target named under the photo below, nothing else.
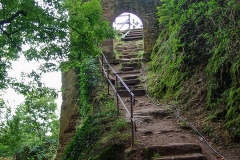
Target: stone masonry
(69, 111)
(146, 10)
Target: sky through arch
(126, 21)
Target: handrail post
(133, 104)
(102, 64)
(116, 81)
(131, 101)
(108, 78)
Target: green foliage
(28, 22)
(24, 130)
(46, 27)
(32, 131)
(121, 125)
(205, 34)
(156, 155)
(89, 78)
(100, 131)
(88, 140)
(110, 152)
(166, 76)
(85, 137)
(88, 29)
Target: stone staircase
(156, 135)
(133, 34)
(177, 151)
(130, 69)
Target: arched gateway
(146, 10)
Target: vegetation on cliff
(199, 44)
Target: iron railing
(115, 88)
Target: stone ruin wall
(146, 11)
(69, 111)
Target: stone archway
(146, 10)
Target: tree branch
(74, 29)
(13, 32)
(8, 36)
(17, 14)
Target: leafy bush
(89, 78)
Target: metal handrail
(114, 72)
(118, 97)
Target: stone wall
(69, 115)
(146, 10)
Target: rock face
(68, 118)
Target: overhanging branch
(9, 37)
(17, 14)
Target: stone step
(131, 60)
(132, 38)
(127, 69)
(131, 82)
(135, 31)
(130, 77)
(159, 113)
(132, 52)
(143, 119)
(128, 56)
(135, 87)
(120, 48)
(136, 92)
(129, 72)
(172, 149)
(131, 47)
(127, 52)
(134, 34)
(194, 156)
(132, 64)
